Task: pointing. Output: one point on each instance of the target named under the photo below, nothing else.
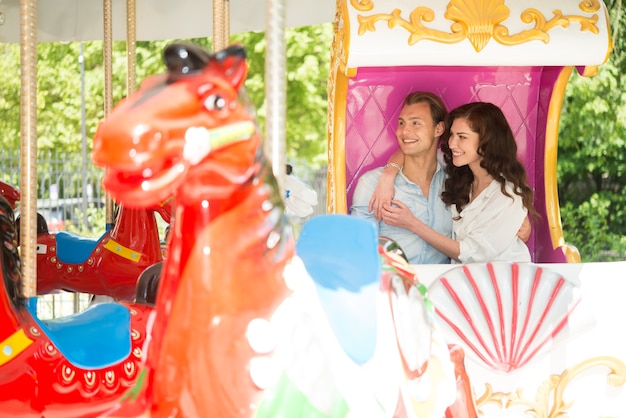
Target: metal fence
(67, 186)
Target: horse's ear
(183, 58)
(232, 60)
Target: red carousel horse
(109, 265)
(77, 366)
(218, 349)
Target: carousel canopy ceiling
(82, 20)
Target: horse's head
(11, 194)
(172, 133)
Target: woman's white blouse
(487, 230)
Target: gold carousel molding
(549, 399)
(478, 21)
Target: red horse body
(109, 265)
(37, 379)
(186, 134)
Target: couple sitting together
(471, 207)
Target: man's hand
(524, 232)
(397, 214)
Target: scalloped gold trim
(478, 21)
(549, 401)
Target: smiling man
(420, 180)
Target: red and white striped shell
(504, 314)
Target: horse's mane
(11, 273)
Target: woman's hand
(383, 193)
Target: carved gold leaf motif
(549, 399)
(478, 21)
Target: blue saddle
(96, 338)
(340, 253)
(74, 249)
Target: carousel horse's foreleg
(464, 405)
(148, 284)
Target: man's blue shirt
(432, 211)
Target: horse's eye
(215, 102)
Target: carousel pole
(275, 89)
(107, 47)
(226, 23)
(221, 24)
(131, 47)
(28, 145)
(131, 75)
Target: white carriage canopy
(464, 32)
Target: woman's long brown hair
(498, 148)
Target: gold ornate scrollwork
(549, 400)
(542, 27)
(362, 5)
(477, 21)
(417, 30)
(589, 6)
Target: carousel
(250, 322)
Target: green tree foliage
(95, 222)
(592, 148)
(590, 226)
(59, 81)
(59, 88)
(592, 155)
(307, 66)
(592, 164)
(9, 97)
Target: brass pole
(226, 23)
(131, 47)
(221, 24)
(28, 145)
(275, 89)
(107, 47)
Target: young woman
(486, 189)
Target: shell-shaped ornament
(479, 18)
(505, 314)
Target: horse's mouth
(148, 186)
(147, 178)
